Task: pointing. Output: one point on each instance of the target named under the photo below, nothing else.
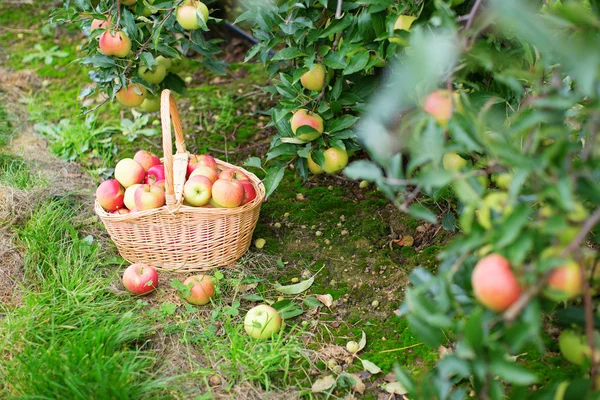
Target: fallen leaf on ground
(323, 384)
(405, 241)
(326, 299)
(395, 388)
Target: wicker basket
(177, 237)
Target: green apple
(166, 62)
(187, 15)
(336, 160)
(574, 347)
(315, 78)
(151, 103)
(155, 75)
(313, 166)
(453, 162)
(262, 322)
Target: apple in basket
(122, 211)
(129, 172)
(249, 191)
(199, 160)
(227, 193)
(129, 196)
(197, 191)
(155, 174)
(233, 173)
(202, 289)
(110, 195)
(161, 184)
(140, 279)
(146, 159)
(208, 172)
(148, 197)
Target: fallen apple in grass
(132, 96)
(130, 196)
(147, 197)
(202, 290)
(208, 172)
(494, 283)
(227, 193)
(110, 195)
(574, 347)
(262, 322)
(129, 172)
(146, 159)
(197, 191)
(140, 279)
(117, 44)
(155, 174)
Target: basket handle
(168, 112)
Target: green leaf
(419, 211)
(512, 373)
(288, 309)
(513, 225)
(295, 288)
(370, 366)
(288, 53)
(362, 170)
(253, 297)
(312, 302)
(271, 181)
(341, 123)
(357, 63)
(253, 162)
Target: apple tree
(134, 49)
(489, 125)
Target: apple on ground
(249, 191)
(304, 117)
(197, 191)
(118, 45)
(262, 322)
(130, 196)
(146, 159)
(208, 172)
(154, 75)
(110, 195)
(336, 160)
(132, 96)
(187, 15)
(494, 283)
(233, 173)
(315, 78)
(574, 347)
(228, 193)
(147, 197)
(129, 172)
(202, 289)
(155, 174)
(199, 160)
(140, 279)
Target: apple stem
(118, 14)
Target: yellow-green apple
(313, 166)
(233, 173)
(197, 191)
(494, 283)
(128, 2)
(202, 289)
(304, 117)
(578, 214)
(122, 211)
(132, 96)
(130, 196)
(208, 172)
(129, 172)
(118, 45)
(146, 159)
(441, 104)
(161, 184)
(453, 162)
(262, 322)
(336, 160)
(177, 64)
(155, 75)
(493, 202)
(110, 195)
(201, 159)
(564, 283)
(164, 61)
(249, 191)
(574, 347)
(155, 174)
(213, 204)
(140, 279)
(99, 24)
(314, 79)
(503, 180)
(151, 103)
(228, 193)
(147, 197)
(187, 15)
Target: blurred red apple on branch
(132, 96)
(494, 283)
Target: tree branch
(338, 11)
(471, 15)
(589, 327)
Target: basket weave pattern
(177, 237)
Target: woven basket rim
(257, 201)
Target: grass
(16, 173)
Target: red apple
(565, 282)
(110, 195)
(228, 193)
(132, 96)
(129, 196)
(494, 283)
(441, 104)
(249, 191)
(233, 173)
(197, 191)
(146, 159)
(148, 197)
(129, 172)
(201, 159)
(202, 289)
(208, 172)
(118, 45)
(122, 211)
(304, 117)
(155, 174)
(140, 279)
(161, 184)
(99, 24)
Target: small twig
(338, 11)
(589, 326)
(409, 199)
(513, 311)
(470, 16)
(401, 348)
(95, 108)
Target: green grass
(16, 173)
